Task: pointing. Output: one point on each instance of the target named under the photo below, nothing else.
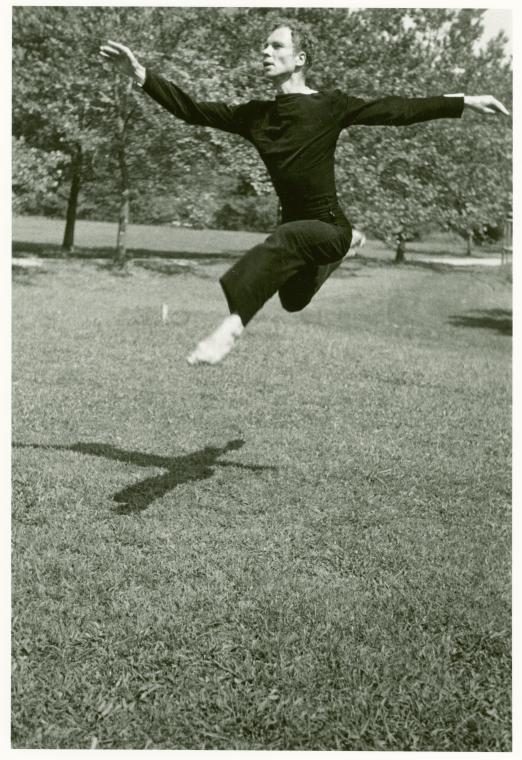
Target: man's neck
(293, 85)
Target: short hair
(302, 38)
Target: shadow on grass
(47, 250)
(22, 276)
(181, 469)
(166, 267)
(434, 266)
(500, 320)
(357, 263)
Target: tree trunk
(400, 250)
(469, 242)
(120, 257)
(123, 220)
(72, 203)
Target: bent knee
(293, 304)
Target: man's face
(279, 56)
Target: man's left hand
(485, 104)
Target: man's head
(288, 49)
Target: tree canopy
(102, 138)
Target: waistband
(324, 209)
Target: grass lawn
(307, 547)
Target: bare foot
(218, 344)
(358, 240)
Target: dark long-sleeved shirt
(296, 134)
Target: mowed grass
(306, 547)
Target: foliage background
(452, 174)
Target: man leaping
(296, 135)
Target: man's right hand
(124, 59)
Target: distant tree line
(87, 143)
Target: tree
(402, 179)
(36, 174)
(55, 104)
(63, 100)
(475, 178)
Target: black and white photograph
(261, 377)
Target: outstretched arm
(173, 98)
(398, 111)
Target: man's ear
(301, 58)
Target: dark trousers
(295, 260)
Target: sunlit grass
(306, 547)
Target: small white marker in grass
(164, 312)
